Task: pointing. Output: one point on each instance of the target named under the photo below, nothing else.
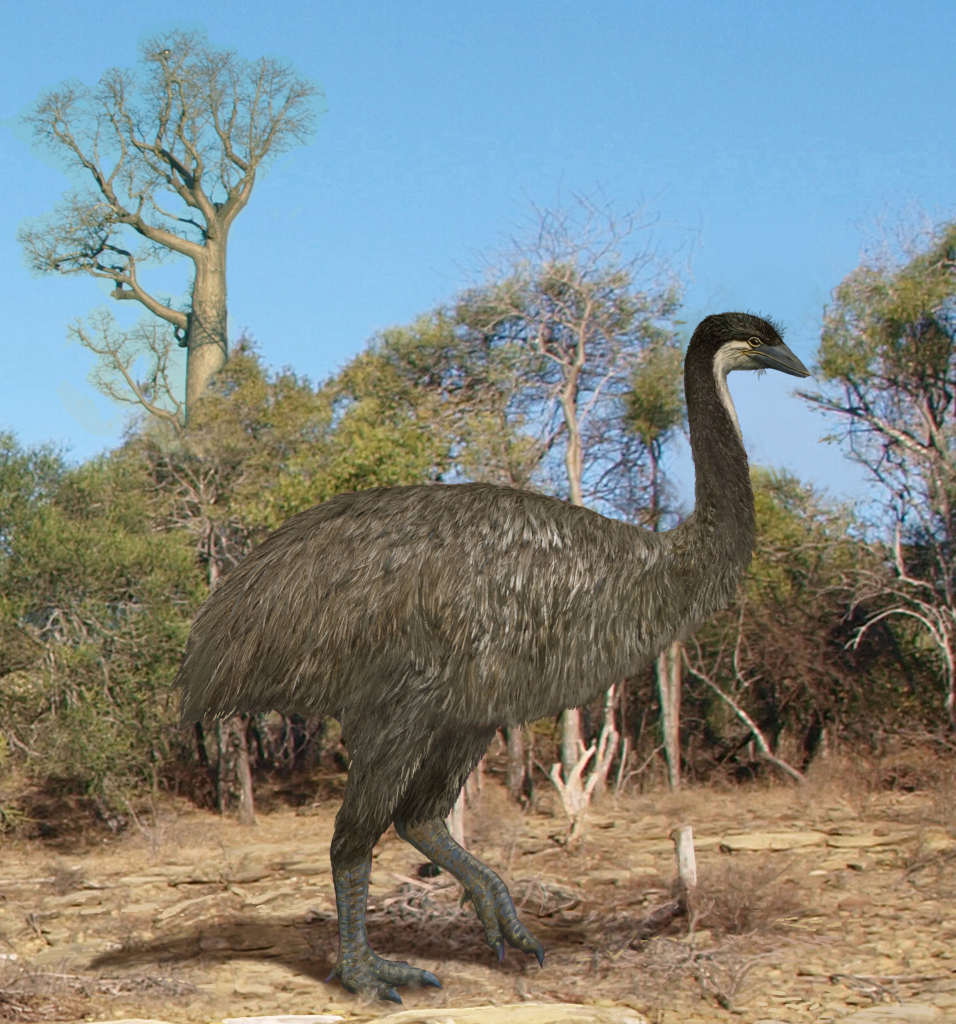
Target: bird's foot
(493, 903)
(370, 976)
(496, 911)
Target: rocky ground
(815, 903)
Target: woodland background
(560, 372)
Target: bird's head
(742, 341)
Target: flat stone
(664, 844)
(899, 1013)
(195, 876)
(77, 899)
(131, 1020)
(307, 867)
(252, 988)
(288, 1018)
(268, 897)
(178, 908)
(860, 842)
(76, 951)
(755, 841)
(519, 1013)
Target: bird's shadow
(307, 948)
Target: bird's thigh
(435, 786)
(382, 762)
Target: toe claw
(500, 950)
(392, 996)
(429, 979)
(539, 953)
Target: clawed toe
(496, 910)
(370, 976)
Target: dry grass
(31, 993)
(933, 874)
(718, 969)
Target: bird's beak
(779, 357)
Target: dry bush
(744, 899)
(32, 994)
(932, 873)
(720, 970)
(943, 810)
(65, 879)
(913, 762)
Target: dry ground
(815, 902)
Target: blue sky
(770, 138)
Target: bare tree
(171, 155)
(586, 315)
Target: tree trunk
(233, 774)
(206, 335)
(199, 736)
(574, 790)
(571, 741)
(234, 777)
(515, 775)
(456, 820)
(610, 726)
(668, 687)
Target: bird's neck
(723, 514)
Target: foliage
(779, 651)
(109, 599)
(655, 412)
(462, 386)
(392, 423)
(250, 459)
(888, 356)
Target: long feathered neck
(723, 519)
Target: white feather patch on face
(732, 356)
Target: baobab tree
(171, 153)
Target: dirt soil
(814, 904)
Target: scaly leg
(487, 892)
(359, 969)
(381, 762)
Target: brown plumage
(425, 617)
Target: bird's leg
(359, 969)
(483, 887)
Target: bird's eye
(754, 342)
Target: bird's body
(425, 617)
(447, 596)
